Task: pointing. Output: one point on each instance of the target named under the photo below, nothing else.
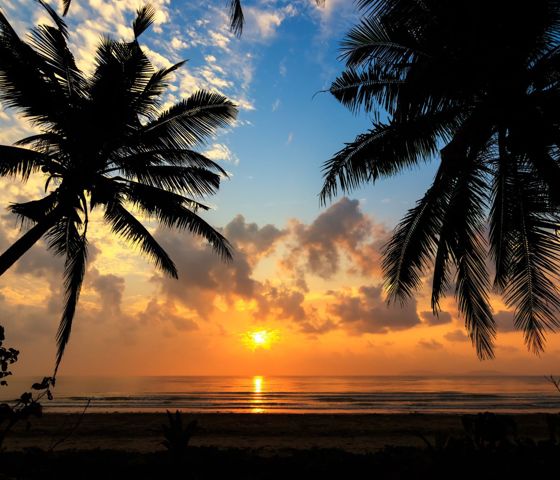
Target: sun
(256, 339)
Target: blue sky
(288, 52)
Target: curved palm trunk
(25, 242)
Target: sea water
(262, 394)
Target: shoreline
(263, 432)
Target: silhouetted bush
(27, 405)
(177, 436)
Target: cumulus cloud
(208, 288)
(367, 312)
(163, 313)
(220, 151)
(430, 344)
(262, 23)
(342, 231)
(504, 321)
(204, 276)
(254, 241)
(456, 336)
(440, 319)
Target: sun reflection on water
(257, 397)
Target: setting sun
(256, 339)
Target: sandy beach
(142, 432)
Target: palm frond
(74, 271)
(465, 221)
(369, 41)
(236, 17)
(387, 150)
(191, 121)
(20, 162)
(123, 223)
(174, 211)
(145, 17)
(27, 82)
(192, 181)
(129, 160)
(65, 6)
(367, 89)
(535, 260)
(502, 224)
(50, 44)
(149, 100)
(35, 210)
(59, 22)
(413, 243)
(155, 201)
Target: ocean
(262, 394)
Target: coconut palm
(104, 144)
(476, 84)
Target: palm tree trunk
(25, 242)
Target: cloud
(110, 289)
(440, 319)
(220, 151)
(430, 344)
(504, 321)
(367, 312)
(343, 231)
(163, 313)
(254, 241)
(456, 336)
(262, 24)
(203, 276)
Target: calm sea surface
(263, 394)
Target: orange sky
(317, 284)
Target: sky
(310, 274)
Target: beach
(355, 433)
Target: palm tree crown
(104, 144)
(477, 83)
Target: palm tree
(476, 83)
(104, 144)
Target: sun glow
(256, 339)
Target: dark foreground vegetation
(487, 446)
(456, 460)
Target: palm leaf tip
(236, 17)
(74, 271)
(65, 6)
(61, 25)
(145, 17)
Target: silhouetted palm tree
(104, 145)
(477, 82)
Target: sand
(142, 432)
